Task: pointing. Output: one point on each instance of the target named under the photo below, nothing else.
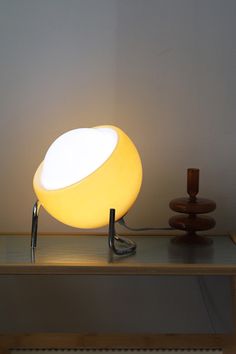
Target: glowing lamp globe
(85, 173)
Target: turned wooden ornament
(192, 206)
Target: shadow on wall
(102, 304)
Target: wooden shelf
(91, 255)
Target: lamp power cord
(122, 222)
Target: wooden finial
(192, 183)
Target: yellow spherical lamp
(85, 173)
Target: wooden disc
(200, 206)
(188, 223)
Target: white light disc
(75, 155)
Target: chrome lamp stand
(126, 246)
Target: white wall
(57, 73)
(164, 71)
(176, 85)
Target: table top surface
(67, 254)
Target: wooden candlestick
(192, 206)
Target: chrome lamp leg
(127, 246)
(34, 228)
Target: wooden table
(89, 255)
